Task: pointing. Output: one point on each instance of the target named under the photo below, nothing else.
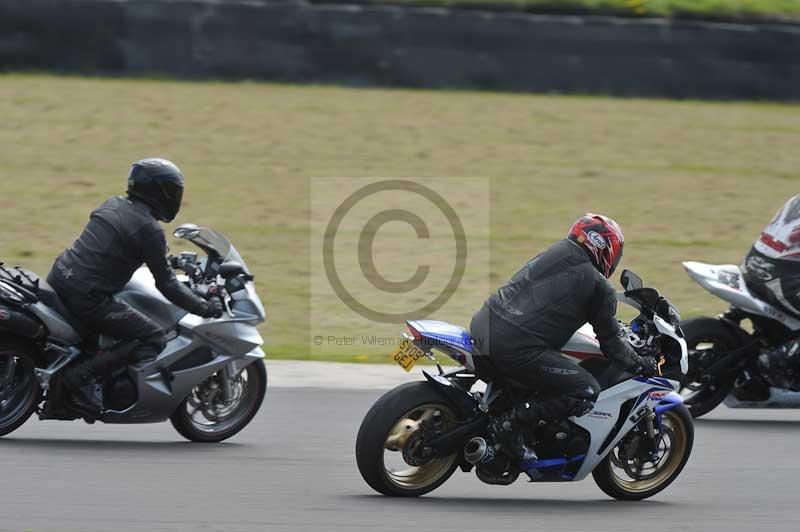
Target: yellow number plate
(407, 354)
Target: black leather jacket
(121, 235)
(551, 297)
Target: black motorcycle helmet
(159, 184)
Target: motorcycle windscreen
(211, 242)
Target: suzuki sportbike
(634, 442)
(209, 380)
(732, 363)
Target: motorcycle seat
(48, 296)
(487, 370)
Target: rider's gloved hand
(217, 308)
(210, 309)
(213, 307)
(649, 367)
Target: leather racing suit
(525, 323)
(121, 235)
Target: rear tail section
(452, 340)
(18, 323)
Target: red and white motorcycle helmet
(602, 239)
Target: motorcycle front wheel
(389, 446)
(207, 416)
(635, 474)
(708, 340)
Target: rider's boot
(509, 431)
(81, 379)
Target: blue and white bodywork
(634, 440)
(451, 339)
(654, 395)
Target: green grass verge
(736, 9)
(687, 180)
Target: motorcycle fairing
(141, 293)
(601, 421)
(582, 345)
(726, 281)
(57, 326)
(668, 330)
(232, 340)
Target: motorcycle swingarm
(454, 440)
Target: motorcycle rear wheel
(675, 447)
(20, 393)
(707, 338)
(218, 422)
(388, 439)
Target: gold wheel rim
(671, 449)
(397, 470)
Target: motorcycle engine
(560, 439)
(781, 366)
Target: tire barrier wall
(401, 46)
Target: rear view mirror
(230, 269)
(187, 231)
(630, 281)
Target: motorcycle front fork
(650, 432)
(226, 382)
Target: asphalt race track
(294, 469)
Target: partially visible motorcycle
(634, 442)
(209, 380)
(732, 363)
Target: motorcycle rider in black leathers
(122, 234)
(525, 323)
(772, 267)
(771, 271)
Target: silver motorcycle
(209, 380)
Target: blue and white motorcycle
(635, 441)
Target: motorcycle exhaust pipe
(490, 470)
(477, 451)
